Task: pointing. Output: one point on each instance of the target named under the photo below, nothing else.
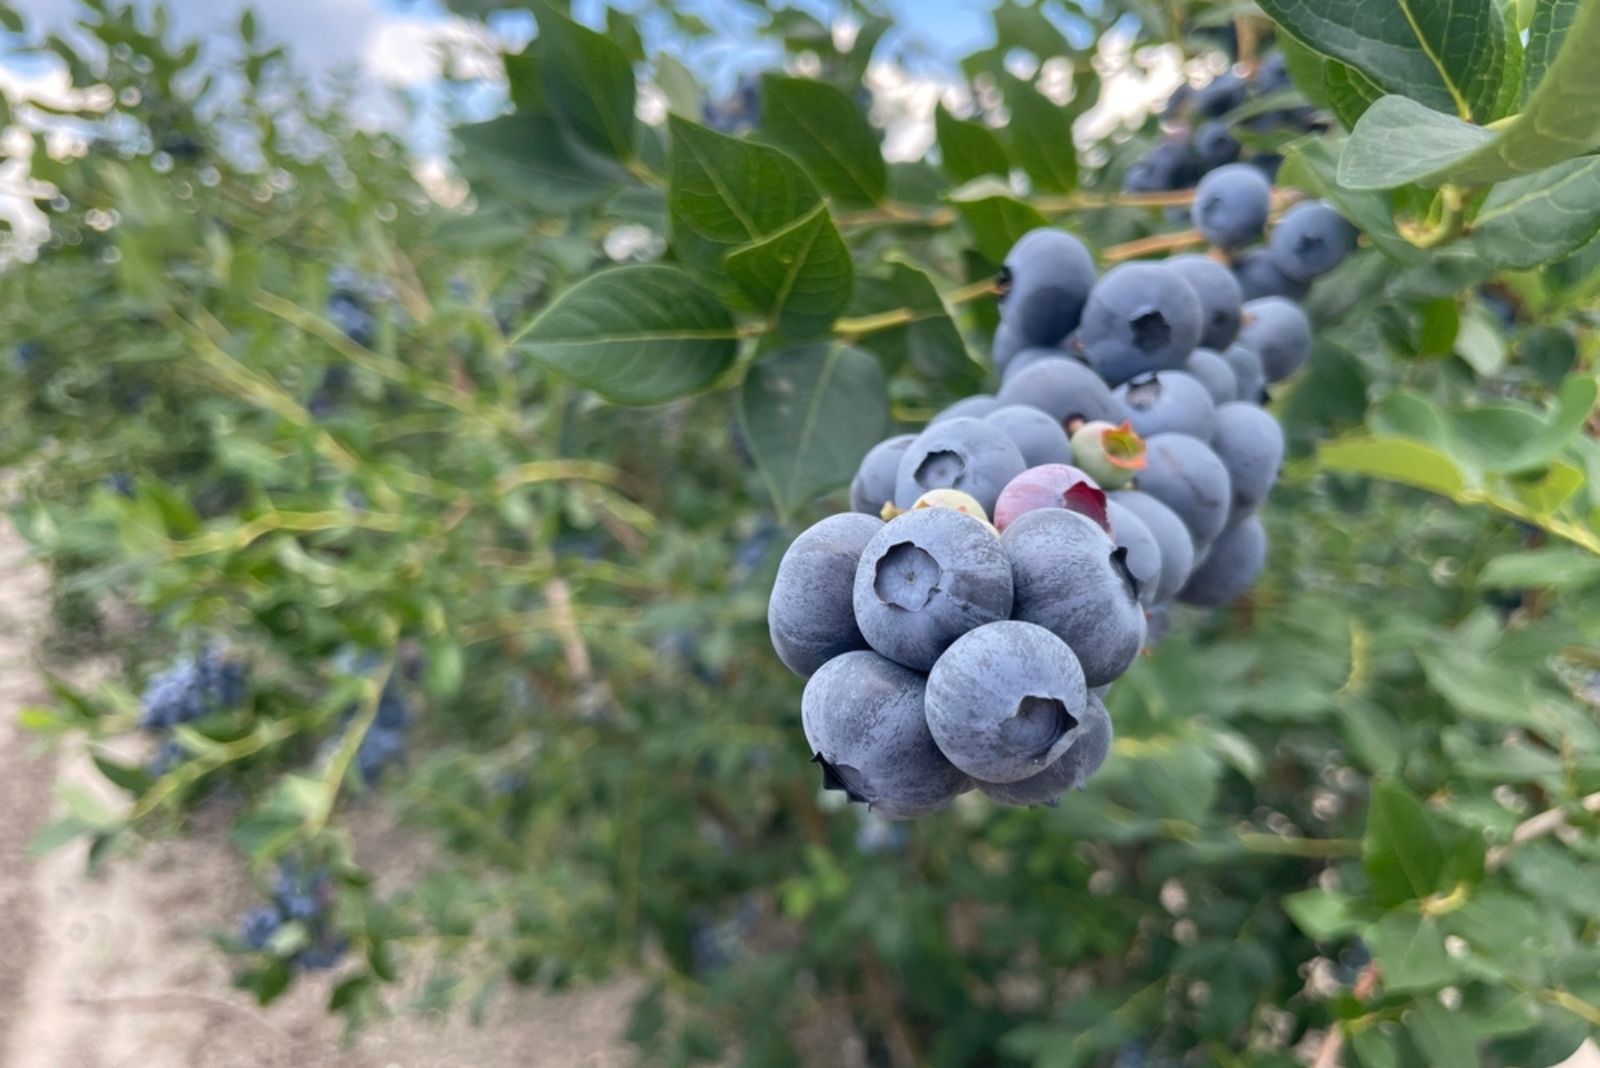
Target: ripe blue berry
(1168, 166)
(1036, 434)
(927, 578)
(1215, 373)
(1280, 334)
(1220, 96)
(1219, 297)
(1259, 277)
(1006, 700)
(1071, 579)
(1249, 442)
(1070, 771)
(974, 407)
(1245, 363)
(1168, 401)
(1310, 240)
(1064, 389)
(961, 453)
(1172, 538)
(1231, 205)
(1185, 475)
(1029, 356)
(863, 716)
(811, 613)
(1140, 317)
(1214, 145)
(1230, 568)
(1044, 282)
(873, 486)
(1143, 557)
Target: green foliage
(1392, 749)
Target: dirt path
(117, 970)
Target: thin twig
(1545, 823)
(1333, 1043)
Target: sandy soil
(117, 971)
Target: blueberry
(1280, 334)
(1215, 373)
(811, 614)
(1310, 240)
(1247, 372)
(974, 407)
(1249, 442)
(961, 453)
(1036, 434)
(1043, 284)
(927, 578)
(121, 483)
(1071, 579)
(1272, 75)
(1231, 205)
(1185, 475)
(1220, 96)
(321, 957)
(1169, 401)
(1071, 770)
(1259, 277)
(1168, 166)
(1230, 568)
(1268, 163)
(1033, 354)
(1219, 295)
(1066, 390)
(259, 925)
(1143, 551)
(380, 749)
(1140, 317)
(873, 486)
(1050, 486)
(863, 717)
(1006, 344)
(1111, 455)
(1006, 700)
(192, 688)
(1172, 538)
(1215, 145)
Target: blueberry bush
(466, 497)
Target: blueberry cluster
(1201, 129)
(304, 898)
(959, 628)
(385, 744)
(192, 688)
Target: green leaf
(1040, 136)
(726, 193)
(809, 414)
(1526, 222)
(1409, 949)
(530, 159)
(1557, 567)
(968, 149)
(827, 132)
(1398, 141)
(1328, 82)
(995, 218)
(1561, 120)
(1448, 55)
(1442, 1036)
(1551, 21)
(1546, 494)
(800, 277)
(133, 779)
(1323, 915)
(1397, 460)
(1439, 324)
(1408, 855)
(1029, 28)
(1480, 343)
(1573, 404)
(588, 81)
(635, 335)
(684, 95)
(931, 343)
